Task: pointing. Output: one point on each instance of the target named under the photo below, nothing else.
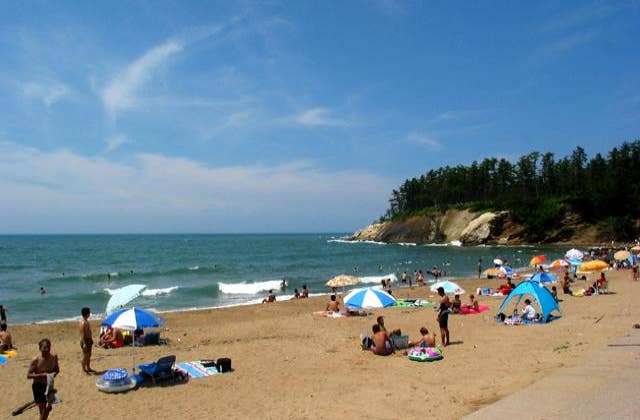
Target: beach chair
(160, 370)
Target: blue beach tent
(543, 296)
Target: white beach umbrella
(449, 287)
(122, 296)
(368, 298)
(574, 254)
(497, 261)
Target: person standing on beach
(443, 316)
(42, 370)
(479, 267)
(3, 315)
(86, 340)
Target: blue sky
(294, 116)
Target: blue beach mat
(196, 369)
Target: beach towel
(465, 310)
(196, 369)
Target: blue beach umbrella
(544, 277)
(368, 298)
(574, 261)
(132, 319)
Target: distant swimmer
(283, 284)
(42, 291)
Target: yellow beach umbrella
(342, 280)
(594, 265)
(495, 272)
(621, 255)
(635, 248)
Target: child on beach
(456, 304)
(473, 303)
(427, 339)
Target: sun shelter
(543, 296)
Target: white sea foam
(157, 292)
(346, 241)
(377, 279)
(407, 243)
(194, 268)
(455, 243)
(114, 274)
(249, 288)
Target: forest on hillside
(538, 189)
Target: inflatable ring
(116, 386)
(425, 354)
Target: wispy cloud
(567, 43)
(152, 192)
(580, 17)
(319, 117)
(49, 93)
(115, 141)
(121, 92)
(425, 139)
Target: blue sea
(184, 272)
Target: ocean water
(184, 272)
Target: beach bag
(223, 365)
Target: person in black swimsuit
(443, 316)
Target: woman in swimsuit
(443, 316)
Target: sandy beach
(289, 363)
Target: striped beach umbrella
(574, 254)
(559, 264)
(369, 298)
(132, 319)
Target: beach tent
(543, 296)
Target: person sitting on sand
(380, 321)
(296, 294)
(333, 305)
(6, 342)
(381, 343)
(602, 281)
(456, 304)
(305, 292)
(473, 303)
(269, 299)
(426, 340)
(528, 312)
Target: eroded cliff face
(453, 225)
(473, 228)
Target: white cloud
(121, 92)
(319, 117)
(49, 93)
(156, 193)
(115, 141)
(425, 139)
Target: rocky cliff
(473, 228)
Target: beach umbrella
(635, 248)
(368, 298)
(122, 296)
(495, 272)
(342, 280)
(574, 261)
(506, 270)
(544, 277)
(497, 261)
(448, 286)
(131, 320)
(594, 265)
(621, 255)
(574, 254)
(537, 260)
(559, 264)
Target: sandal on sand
(636, 325)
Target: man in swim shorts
(86, 340)
(43, 365)
(333, 305)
